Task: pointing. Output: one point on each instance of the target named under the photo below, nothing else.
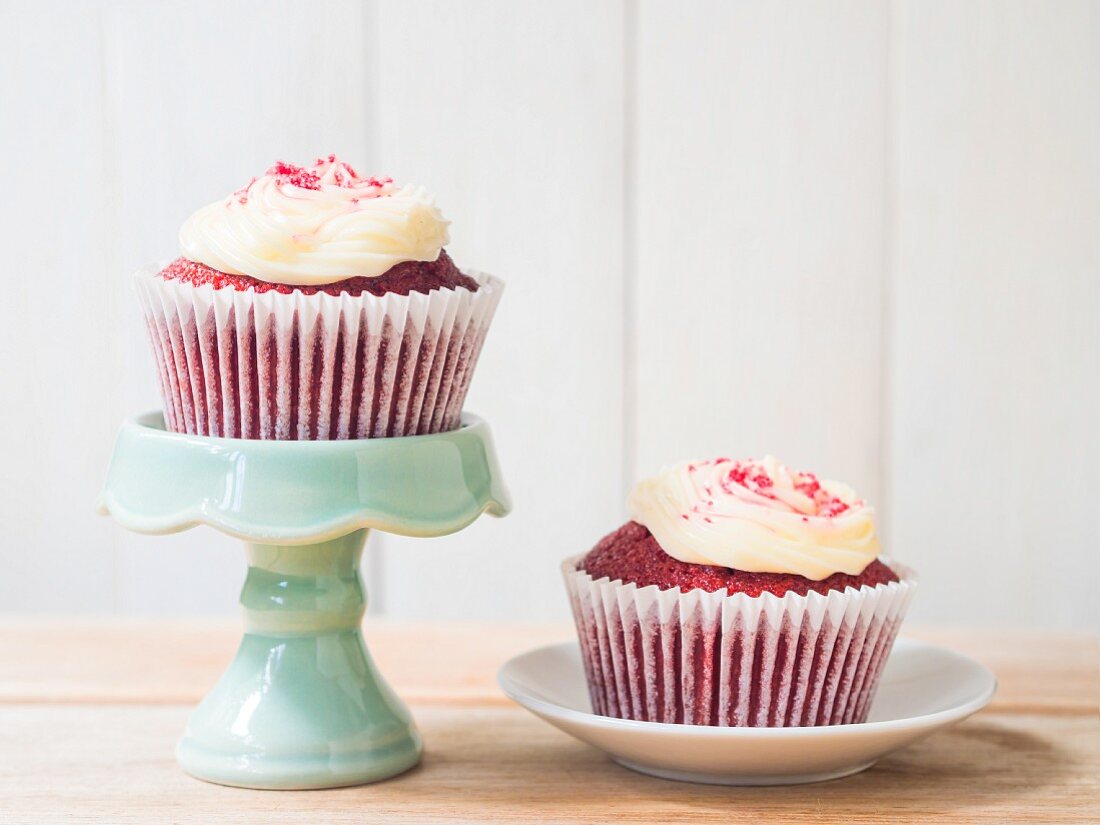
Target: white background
(864, 236)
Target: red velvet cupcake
(741, 593)
(315, 303)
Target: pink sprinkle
(242, 194)
(288, 173)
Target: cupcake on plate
(740, 593)
(315, 303)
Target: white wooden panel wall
(859, 235)
(59, 404)
(514, 113)
(996, 342)
(759, 263)
(192, 107)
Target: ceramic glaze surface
(302, 704)
(300, 492)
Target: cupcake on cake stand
(302, 705)
(304, 406)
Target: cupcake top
(757, 516)
(308, 226)
(632, 555)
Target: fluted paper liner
(715, 659)
(295, 366)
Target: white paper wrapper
(296, 366)
(714, 659)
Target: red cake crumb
(325, 172)
(752, 476)
(299, 176)
(406, 277)
(632, 554)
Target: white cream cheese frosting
(756, 515)
(315, 225)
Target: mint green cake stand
(302, 705)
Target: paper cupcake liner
(713, 659)
(294, 366)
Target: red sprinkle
(242, 194)
(330, 170)
(288, 173)
(751, 476)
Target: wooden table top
(90, 711)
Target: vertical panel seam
(889, 271)
(374, 554)
(109, 167)
(629, 244)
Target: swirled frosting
(315, 225)
(756, 515)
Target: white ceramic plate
(923, 688)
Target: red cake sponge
(401, 279)
(631, 554)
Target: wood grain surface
(90, 712)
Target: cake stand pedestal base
(302, 705)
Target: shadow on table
(977, 763)
(513, 767)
